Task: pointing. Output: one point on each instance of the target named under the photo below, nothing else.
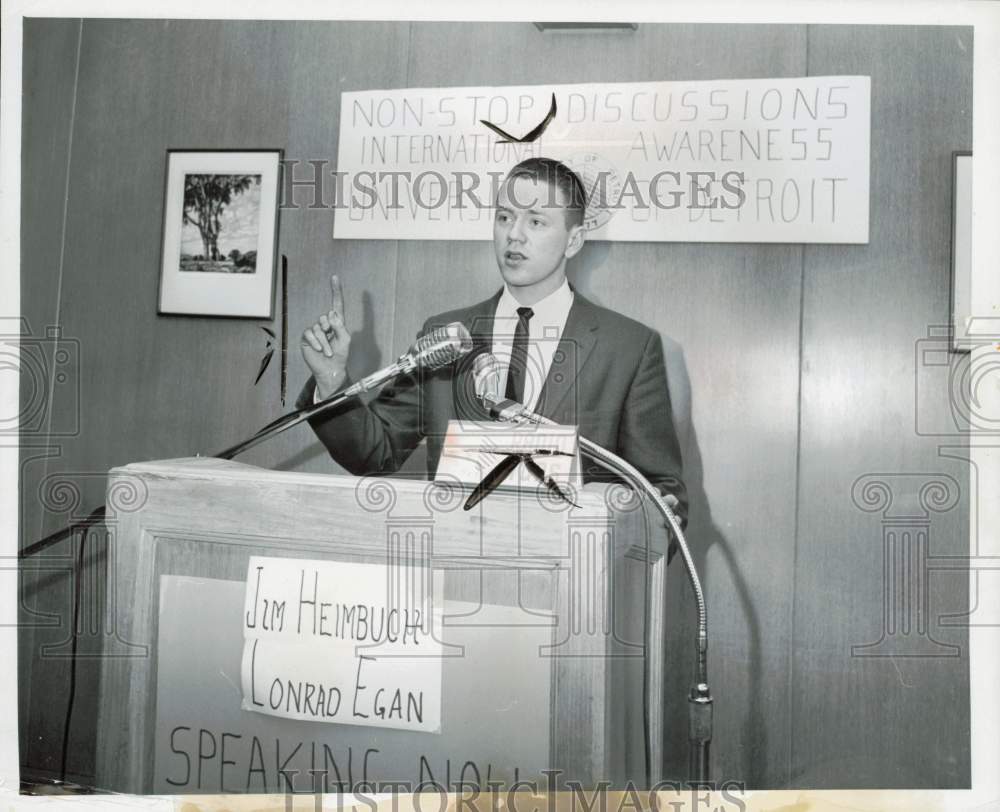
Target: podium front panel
(498, 693)
(542, 649)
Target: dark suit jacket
(607, 377)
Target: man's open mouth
(514, 255)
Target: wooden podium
(544, 608)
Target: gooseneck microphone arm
(435, 349)
(700, 697)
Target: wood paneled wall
(792, 368)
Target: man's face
(531, 238)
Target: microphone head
(486, 374)
(442, 346)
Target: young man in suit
(561, 355)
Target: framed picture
(961, 251)
(220, 225)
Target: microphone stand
(292, 419)
(700, 697)
(270, 430)
(429, 351)
(406, 364)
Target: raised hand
(326, 345)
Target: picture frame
(220, 233)
(961, 251)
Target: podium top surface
(594, 496)
(222, 496)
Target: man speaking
(561, 355)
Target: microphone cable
(435, 349)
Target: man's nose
(516, 232)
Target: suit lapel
(479, 322)
(577, 342)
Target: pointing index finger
(338, 295)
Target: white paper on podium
(330, 683)
(344, 643)
(502, 683)
(472, 449)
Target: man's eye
(535, 221)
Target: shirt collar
(550, 310)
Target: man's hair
(559, 177)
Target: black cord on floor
(77, 599)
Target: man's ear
(577, 237)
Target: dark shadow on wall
(745, 759)
(365, 353)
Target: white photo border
(984, 641)
(184, 293)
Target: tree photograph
(221, 223)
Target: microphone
(440, 347)
(487, 382)
(486, 375)
(436, 349)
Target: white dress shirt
(545, 328)
(544, 331)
